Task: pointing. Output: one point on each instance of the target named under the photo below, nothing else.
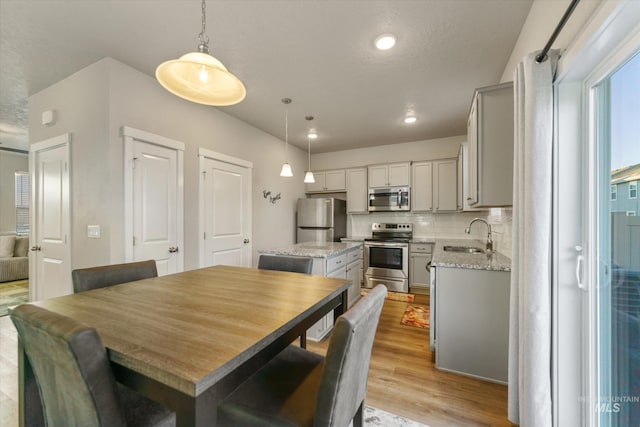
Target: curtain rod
(543, 55)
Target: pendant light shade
(286, 167)
(286, 170)
(309, 178)
(199, 77)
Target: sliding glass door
(616, 226)
(596, 282)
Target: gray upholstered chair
(85, 279)
(294, 264)
(286, 263)
(73, 375)
(300, 388)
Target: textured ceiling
(319, 53)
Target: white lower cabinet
(472, 322)
(419, 259)
(342, 266)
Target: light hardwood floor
(402, 378)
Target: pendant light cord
(286, 134)
(309, 151)
(203, 37)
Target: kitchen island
(470, 310)
(333, 259)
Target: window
(614, 192)
(633, 189)
(22, 202)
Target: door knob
(36, 248)
(173, 249)
(245, 241)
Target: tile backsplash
(444, 225)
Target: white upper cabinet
(327, 181)
(490, 134)
(435, 186)
(390, 175)
(422, 188)
(445, 185)
(357, 190)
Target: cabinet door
(353, 273)
(335, 180)
(378, 176)
(422, 187)
(445, 186)
(399, 174)
(418, 274)
(472, 162)
(459, 168)
(317, 186)
(357, 190)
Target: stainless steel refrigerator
(321, 220)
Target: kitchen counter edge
(441, 258)
(313, 249)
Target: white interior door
(155, 212)
(225, 200)
(50, 274)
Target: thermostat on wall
(48, 117)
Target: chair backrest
(71, 367)
(85, 279)
(343, 385)
(294, 264)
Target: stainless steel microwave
(389, 199)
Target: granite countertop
(496, 261)
(359, 239)
(313, 249)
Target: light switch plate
(93, 231)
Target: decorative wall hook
(273, 199)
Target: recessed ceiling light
(410, 119)
(385, 41)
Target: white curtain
(530, 310)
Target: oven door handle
(387, 245)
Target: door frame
(63, 140)
(129, 136)
(204, 153)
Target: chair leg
(358, 419)
(303, 340)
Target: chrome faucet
(489, 247)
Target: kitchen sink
(464, 249)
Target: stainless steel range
(386, 256)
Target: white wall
(441, 148)
(543, 17)
(97, 101)
(10, 162)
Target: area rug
(394, 296)
(416, 315)
(374, 417)
(13, 293)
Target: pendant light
(308, 177)
(199, 77)
(286, 167)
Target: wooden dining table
(188, 339)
